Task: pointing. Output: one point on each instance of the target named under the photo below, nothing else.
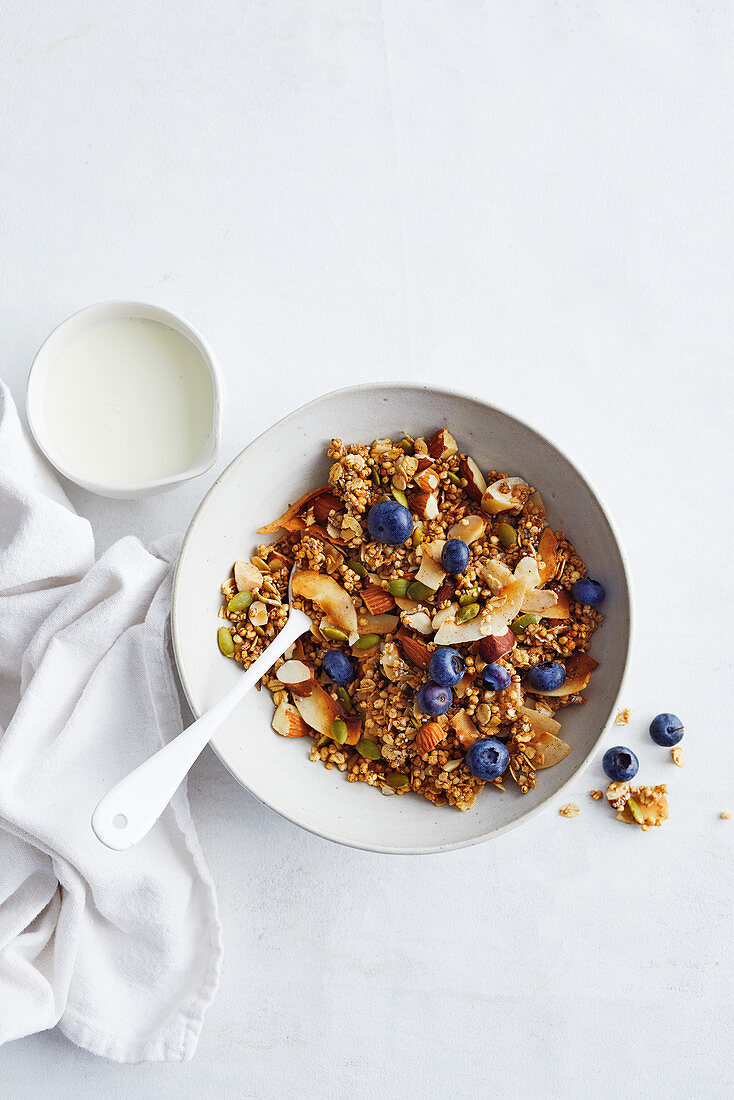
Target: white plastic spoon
(129, 811)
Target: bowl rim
(92, 314)
(432, 849)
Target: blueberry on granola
(495, 677)
(337, 666)
(487, 758)
(666, 729)
(547, 676)
(433, 699)
(588, 592)
(455, 556)
(620, 764)
(446, 666)
(390, 522)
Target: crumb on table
(569, 810)
(623, 717)
(725, 815)
(596, 795)
(677, 756)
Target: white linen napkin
(121, 949)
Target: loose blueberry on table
(446, 667)
(666, 729)
(620, 764)
(390, 522)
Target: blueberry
(455, 556)
(587, 591)
(390, 522)
(495, 677)
(546, 675)
(487, 758)
(337, 666)
(446, 667)
(620, 764)
(666, 729)
(433, 699)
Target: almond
(495, 646)
(425, 504)
(442, 444)
(476, 486)
(424, 461)
(427, 737)
(377, 600)
(288, 722)
(465, 730)
(414, 650)
(445, 592)
(324, 505)
(504, 495)
(297, 676)
(427, 480)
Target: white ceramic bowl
(276, 469)
(47, 355)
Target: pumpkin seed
(368, 749)
(240, 602)
(405, 445)
(453, 478)
(382, 498)
(400, 497)
(334, 634)
(522, 621)
(507, 535)
(376, 476)
(419, 591)
(467, 613)
(367, 641)
(636, 811)
(396, 780)
(339, 731)
(261, 564)
(345, 698)
(417, 535)
(226, 641)
(398, 586)
(358, 568)
(470, 596)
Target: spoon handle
(128, 812)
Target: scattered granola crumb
(569, 810)
(725, 815)
(677, 756)
(596, 795)
(643, 806)
(623, 717)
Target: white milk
(129, 401)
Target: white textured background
(527, 200)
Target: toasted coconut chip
(247, 576)
(561, 609)
(537, 502)
(464, 728)
(495, 618)
(468, 529)
(540, 721)
(549, 750)
(291, 512)
(539, 601)
(444, 615)
(417, 620)
(324, 504)
(501, 495)
(393, 665)
(431, 572)
(297, 676)
(354, 729)
(406, 604)
(578, 672)
(495, 572)
(378, 624)
(547, 548)
(527, 568)
(327, 594)
(462, 687)
(288, 722)
(319, 710)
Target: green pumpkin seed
(226, 641)
(466, 614)
(339, 731)
(396, 780)
(382, 498)
(405, 445)
(398, 586)
(470, 596)
(507, 535)
(400, 497)
(345, 698)
(419, 591)
(367, 641)
(240, 602)
(334, 634)
(636, 810)
(522, 621)
(417, 535)
(358, 568)
(376, 476)
(454, 478)
(368, 749)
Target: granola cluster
(388, 607)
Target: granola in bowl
(446, 637)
